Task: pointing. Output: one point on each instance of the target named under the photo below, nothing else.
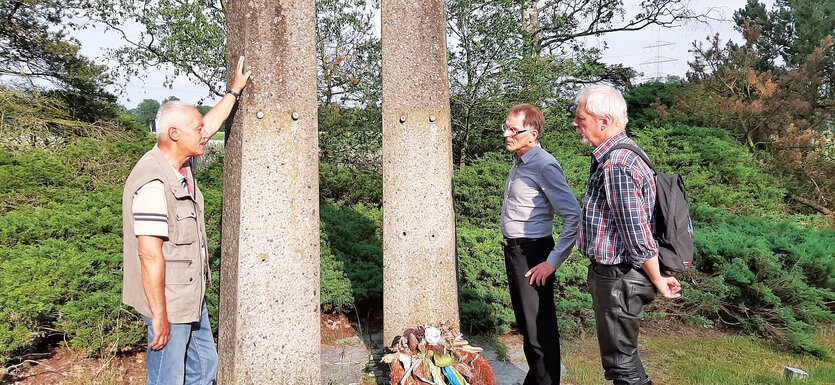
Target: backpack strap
(632, 148)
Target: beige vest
(185, 262)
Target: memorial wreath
(436, 356)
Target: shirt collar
(180, 176)
(604, 147)
(528, 155)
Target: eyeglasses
(506, 128)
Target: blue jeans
(189, 358)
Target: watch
(235, 94)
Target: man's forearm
(218, 114)
(666, 286)
(652, 269)
(153, 280)
(569, 211)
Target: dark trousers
(536, 314)
(619, 293)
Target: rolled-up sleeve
(631, 214)
(565, 205)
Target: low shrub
(773, 279)
(62, 281)
(347, 185)
(352, 245)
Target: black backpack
(673, 227)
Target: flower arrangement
(436, 356)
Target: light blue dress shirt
(536, 189)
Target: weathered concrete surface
(419, 266)
(269, 311)
(349, 362)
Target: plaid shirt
(616, 218)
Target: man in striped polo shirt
(616, 234)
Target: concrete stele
(269, 302)
(419, 261)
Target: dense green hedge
(60, 242)
(60, 247)
(352, 245)
(772, 278)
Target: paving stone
(345, 361)
(352, 360)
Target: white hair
(167, 116)
(604, 101)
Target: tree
(190, 38)
(785, 110)
(146, 112)
(485, 39)
(561, 23)
(791, 31)
(351, 136)
(38, 52)
(503, 52)
(204, 109)
(170, 98)
(554, 29)
(348, 52)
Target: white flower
(432, 335)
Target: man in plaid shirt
(616, 234)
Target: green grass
(220, 135)
(708, 359)
(499, 345)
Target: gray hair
(605, 101)
(167, 116)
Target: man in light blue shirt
(536, 190)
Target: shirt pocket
(180, 272)
(185, 225)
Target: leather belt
(521, 241)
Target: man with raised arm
(166, 267)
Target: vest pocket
(180, 272)
(186, 225)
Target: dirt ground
(63, 365)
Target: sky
(632, 49)
(642, 49)
(95, 41)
